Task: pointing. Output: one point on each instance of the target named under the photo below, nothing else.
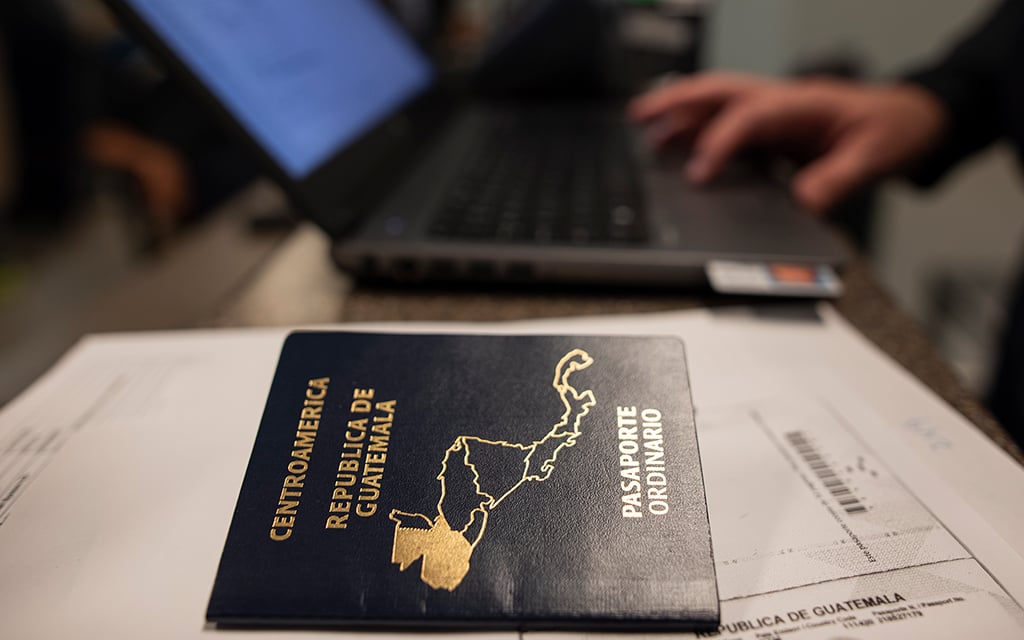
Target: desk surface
(299, 285)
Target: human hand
(853, 133)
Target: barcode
(846, 499)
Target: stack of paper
(845, 499)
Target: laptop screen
(304, 77)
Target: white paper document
(846, 501)
(824, 540)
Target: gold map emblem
(446, 541)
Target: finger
(675, 125)
(732, 130)
(783, 118)
(827, 181)
(699, 91)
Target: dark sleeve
(970, 83)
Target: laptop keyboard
(538, 180)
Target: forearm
(970, 84)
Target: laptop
(354, 121)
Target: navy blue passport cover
(516, 482)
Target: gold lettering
(354, 444)
(303, 438)
(373, 481)
(321, 385)
(355, 436)
(302, 451)
(277, 536)
(345, 480)
(337, 522)
(284, 521)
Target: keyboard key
(541, 181)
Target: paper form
(830, 517)
(824, 506)
(105, 388)
(831, 543)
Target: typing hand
(852, 133)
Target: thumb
(828, 180)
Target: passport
(472, 481)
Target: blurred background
(113, 181)
(948, 255)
